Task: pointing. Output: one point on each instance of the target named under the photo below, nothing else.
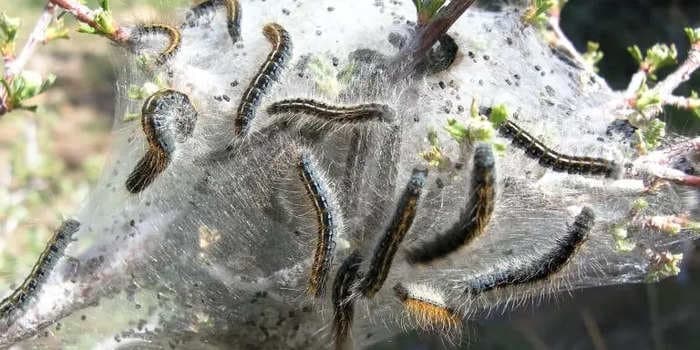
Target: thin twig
(35, 38)
(16, 65)
(682, 74)
(84, 14)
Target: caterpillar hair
(552, 159)
(47, 261)
(327, 216)
(475, 218)
(160, 29)
(426, 306)
(167, 117)
(545, 266)
(269, 72)
(342, 114)
(343, 307)
(233, 15)
(401, 222)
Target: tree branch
(84, 14)
(16, 65)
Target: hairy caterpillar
(474, 218)
(356, 113)
(172, 33)
(552, 159)
(167, 117)
(393, 236)
(40, 272)
(327, 216)
(233, 15)
(268, 73)
(543, 266)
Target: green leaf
(669, 266)
(8, 27)
(693, 35)
(57, 31)
(636, 53)
(639, 204)
(499, 114)
(25, 86)
(661, 55)
(593, 55)
(477, 130)
(84, 28)
(105, 22)
(457, 130)
(104, 4)
(653, 132)
(427, 9)
(646, 98)
(434, 155)
(695, 103)
(536, 13)
(8, 34)
(657, 57)
(136, 92)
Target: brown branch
(84, 14)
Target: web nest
(284, 176)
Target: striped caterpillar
(167, 117)
(343, 114)
(267, 74)
(474, 218)
(233, 15)
(327, 217)
(544, 266)
(399, 226)
(40, 272)
(552, 159)
(172, 33)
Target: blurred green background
(54, 156)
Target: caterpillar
(327, 216)
(233, 15)
(426, 306)
(473, 220)
(40, 272)
(270, 70)
(161, 29)
(167, 117)
(343, 308)
(543, 266)
(386, 248)
(357, 113)
(554, 160)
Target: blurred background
(49, 159)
